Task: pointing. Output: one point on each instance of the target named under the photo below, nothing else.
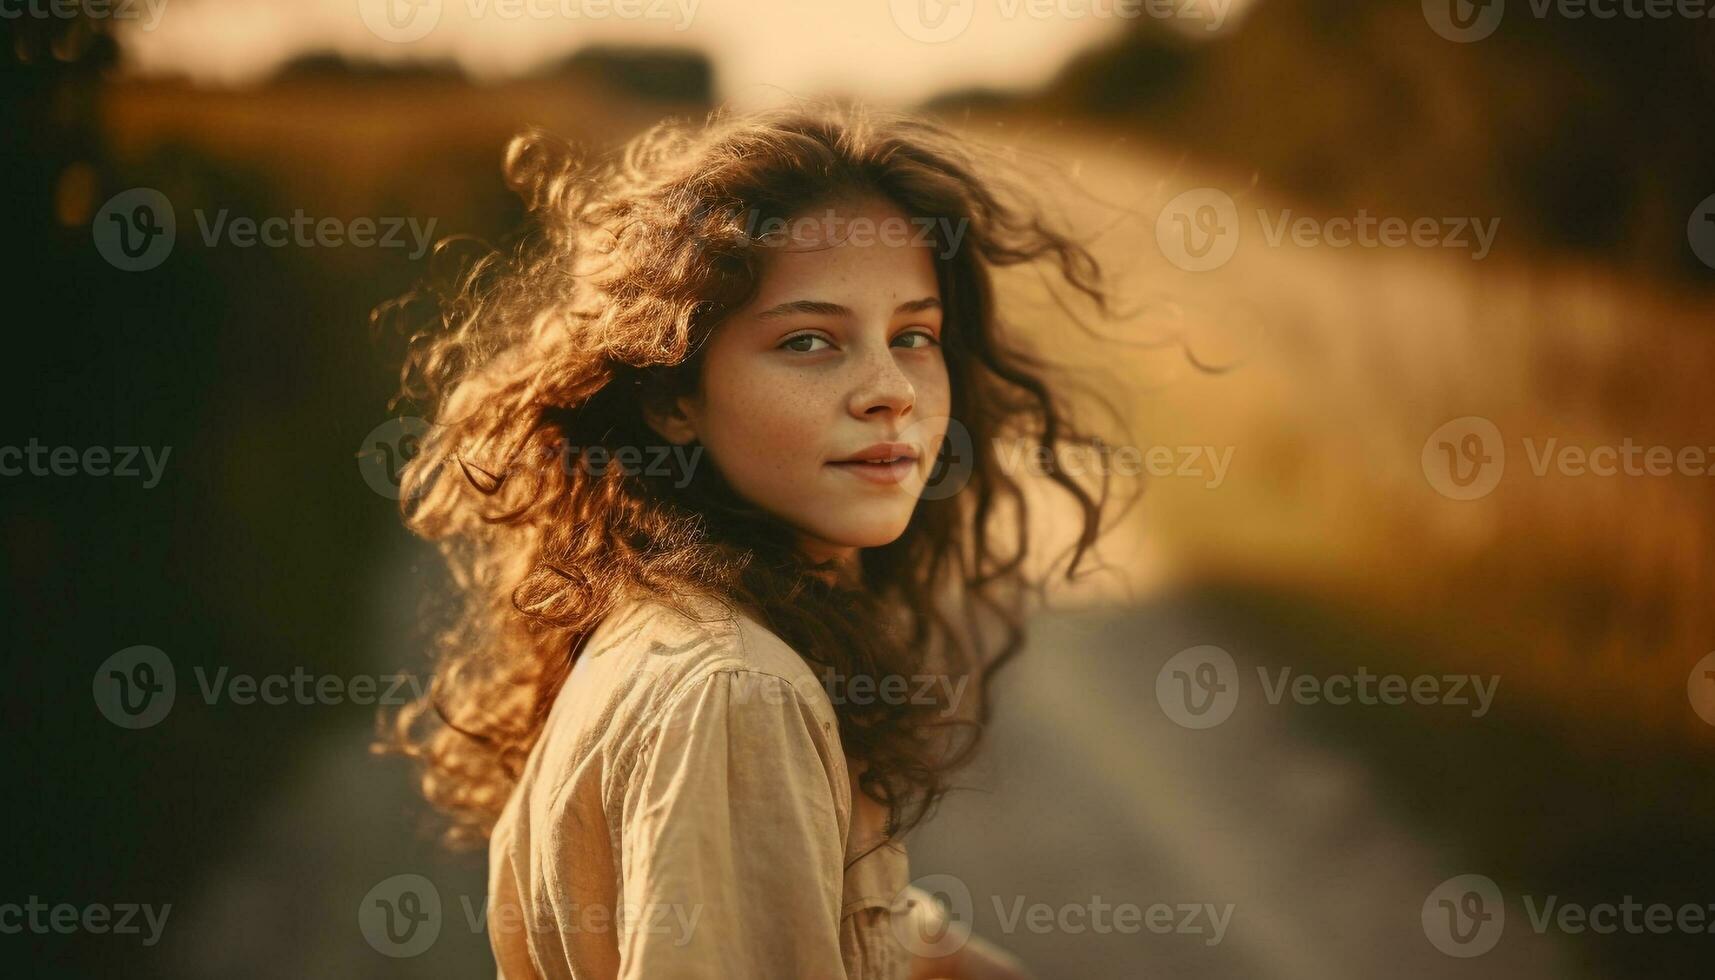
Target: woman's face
(824, 400)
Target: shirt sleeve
(731, 842)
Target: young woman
(714, 466)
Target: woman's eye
(805, 343)
(916, 338)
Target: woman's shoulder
(651, 649)
(650, 666)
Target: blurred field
(1330, 370)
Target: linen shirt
(687, 812)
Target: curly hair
(601, 303)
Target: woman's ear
(670, 420)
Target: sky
(762, 50)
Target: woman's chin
(860, 533)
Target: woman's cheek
(934, 390)
(768, 423)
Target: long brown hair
(603, 302)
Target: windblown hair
(601, 304)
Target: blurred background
(1382, 459)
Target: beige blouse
(688, 812)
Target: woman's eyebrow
(918, 305)
(834, 309)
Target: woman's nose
(882, 387)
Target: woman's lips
(877, 472)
